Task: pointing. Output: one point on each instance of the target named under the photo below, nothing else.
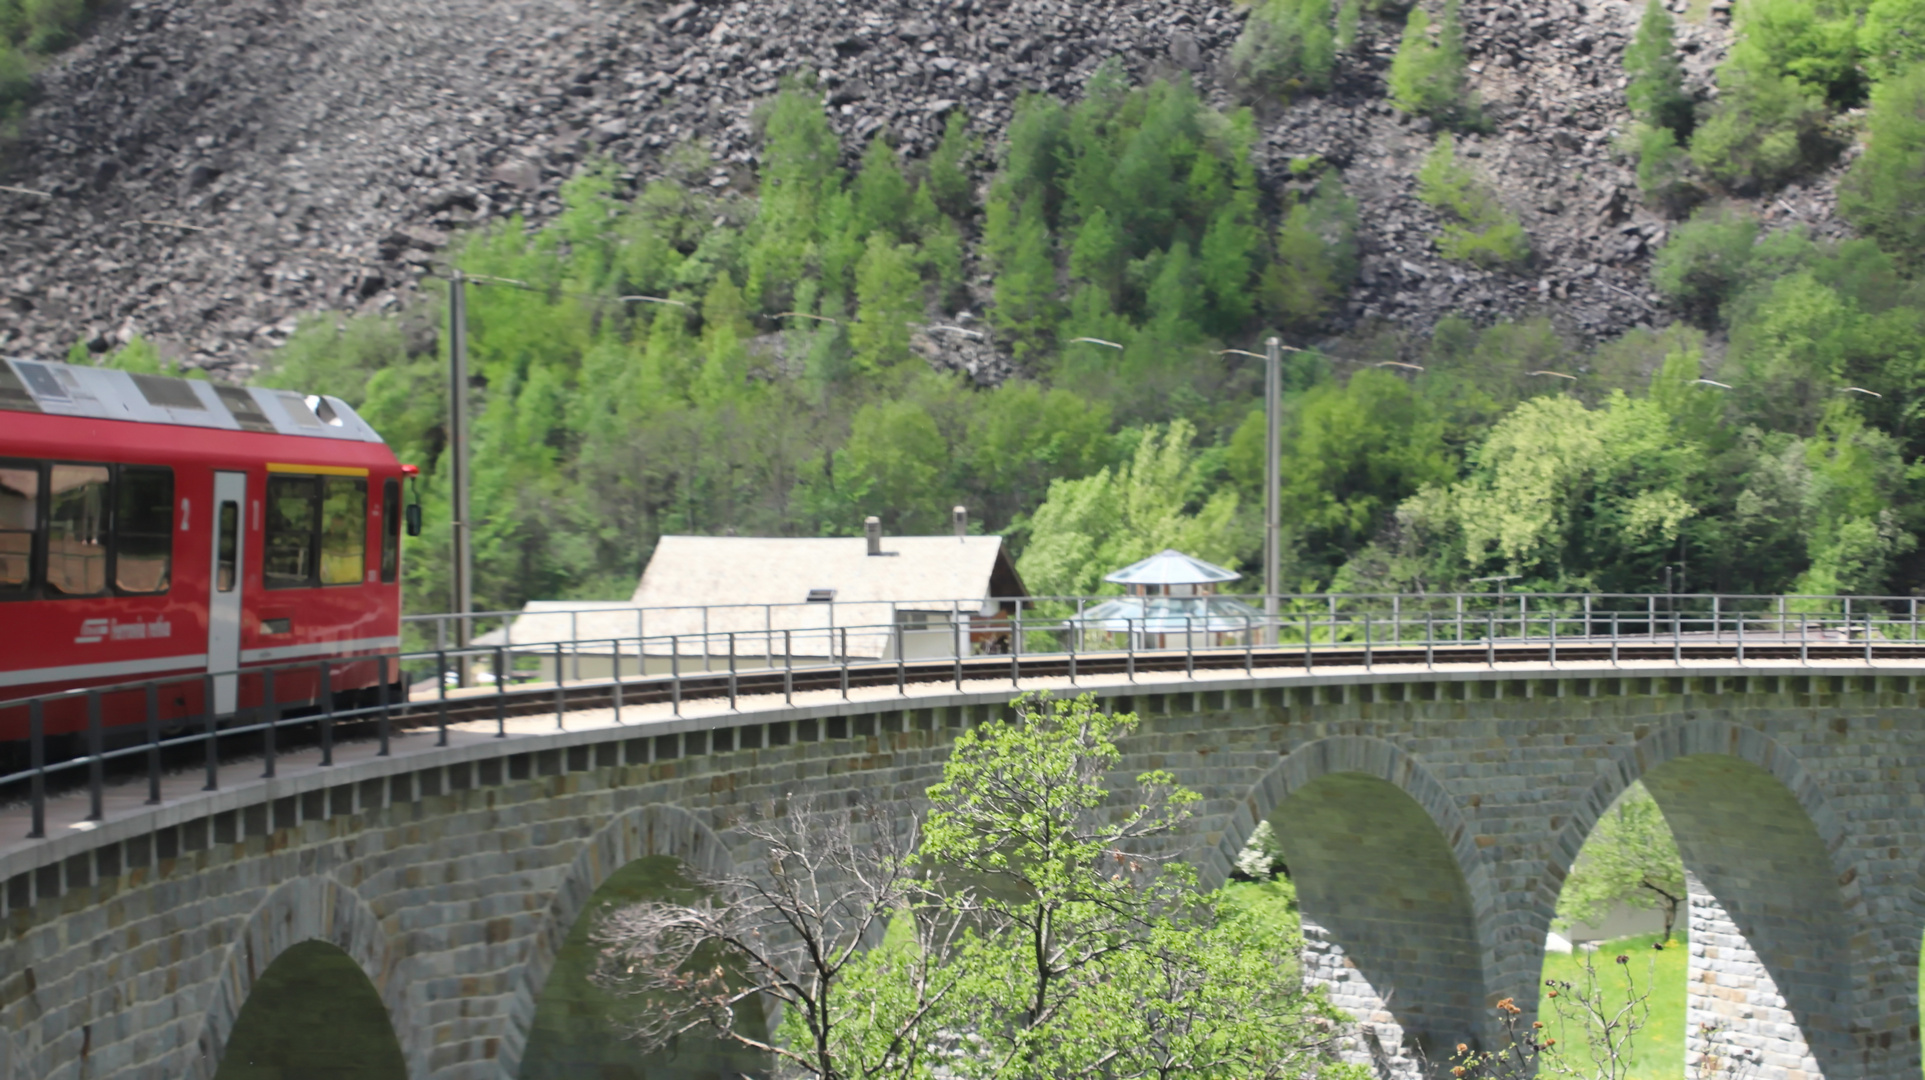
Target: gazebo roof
(1172, 567)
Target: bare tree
(795, 932)
(1608, 1019)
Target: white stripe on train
(195, 662)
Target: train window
(144, 529)
(390, 529)
(227, 555)
(77, 522)
(293, 528)
(344, 530)
(19, 524)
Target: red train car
(161, 528)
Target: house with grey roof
(706, 602)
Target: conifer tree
(1316, 256)
(800, 172)
(1656, 91)
(887, 297)
(1427, 76)
(1025, 285)
(949, 182)
(725, 332)
(882, 194)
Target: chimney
(960, 516)
(872, 528)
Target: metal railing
(1027, 637)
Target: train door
(224, 598)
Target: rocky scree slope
(211, 170)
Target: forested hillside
(1032, 321)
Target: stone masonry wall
(1460, 798)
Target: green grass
(1657, 1050)
(313, 1015)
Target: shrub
(1427, 76)
(1765, 129)
(1316, 256)
(1706, 262)
(1892, 38)
(1286, 45)
(1815, 43)
(16, 79)
(1483, 233)
(1664, 168)
(1883, 195)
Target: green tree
(800, 174)
(1892, 37)
(1664, 166)
(1707, 262)
(1024, 437)
(895, 465)
(1427, 74)
(881, 192)
(1316, 259)
(1630, 858)
(1656, 91)
(1558, 493)
(1025, 286)
(1286, 46)
(949, 181)
(725, 334)
(1350, 454)
(1765, 128)
(1883, 195)
(1482, 231)
(1103, 522)
(1098, 955)
(1812, 41)
(888, 296)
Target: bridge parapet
(1458, 797)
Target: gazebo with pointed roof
(1172, 594)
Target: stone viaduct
(1428, 817)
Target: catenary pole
(458, 456)
(1272, 480)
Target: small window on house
(821, 596)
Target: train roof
(37, 386)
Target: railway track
(708, 686)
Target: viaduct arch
(452, 875)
